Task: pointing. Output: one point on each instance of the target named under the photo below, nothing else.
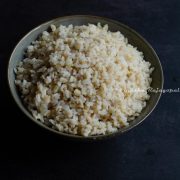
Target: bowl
(133, 38)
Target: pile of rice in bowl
(82, 80)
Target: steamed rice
(81, 80)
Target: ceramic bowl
(133, 38)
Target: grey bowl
(133, 37)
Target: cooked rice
(81, 80)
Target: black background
(149, 151)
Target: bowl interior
(133, 38)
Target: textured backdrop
(149, 151)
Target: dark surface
(150, 151)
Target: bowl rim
(72, 136)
